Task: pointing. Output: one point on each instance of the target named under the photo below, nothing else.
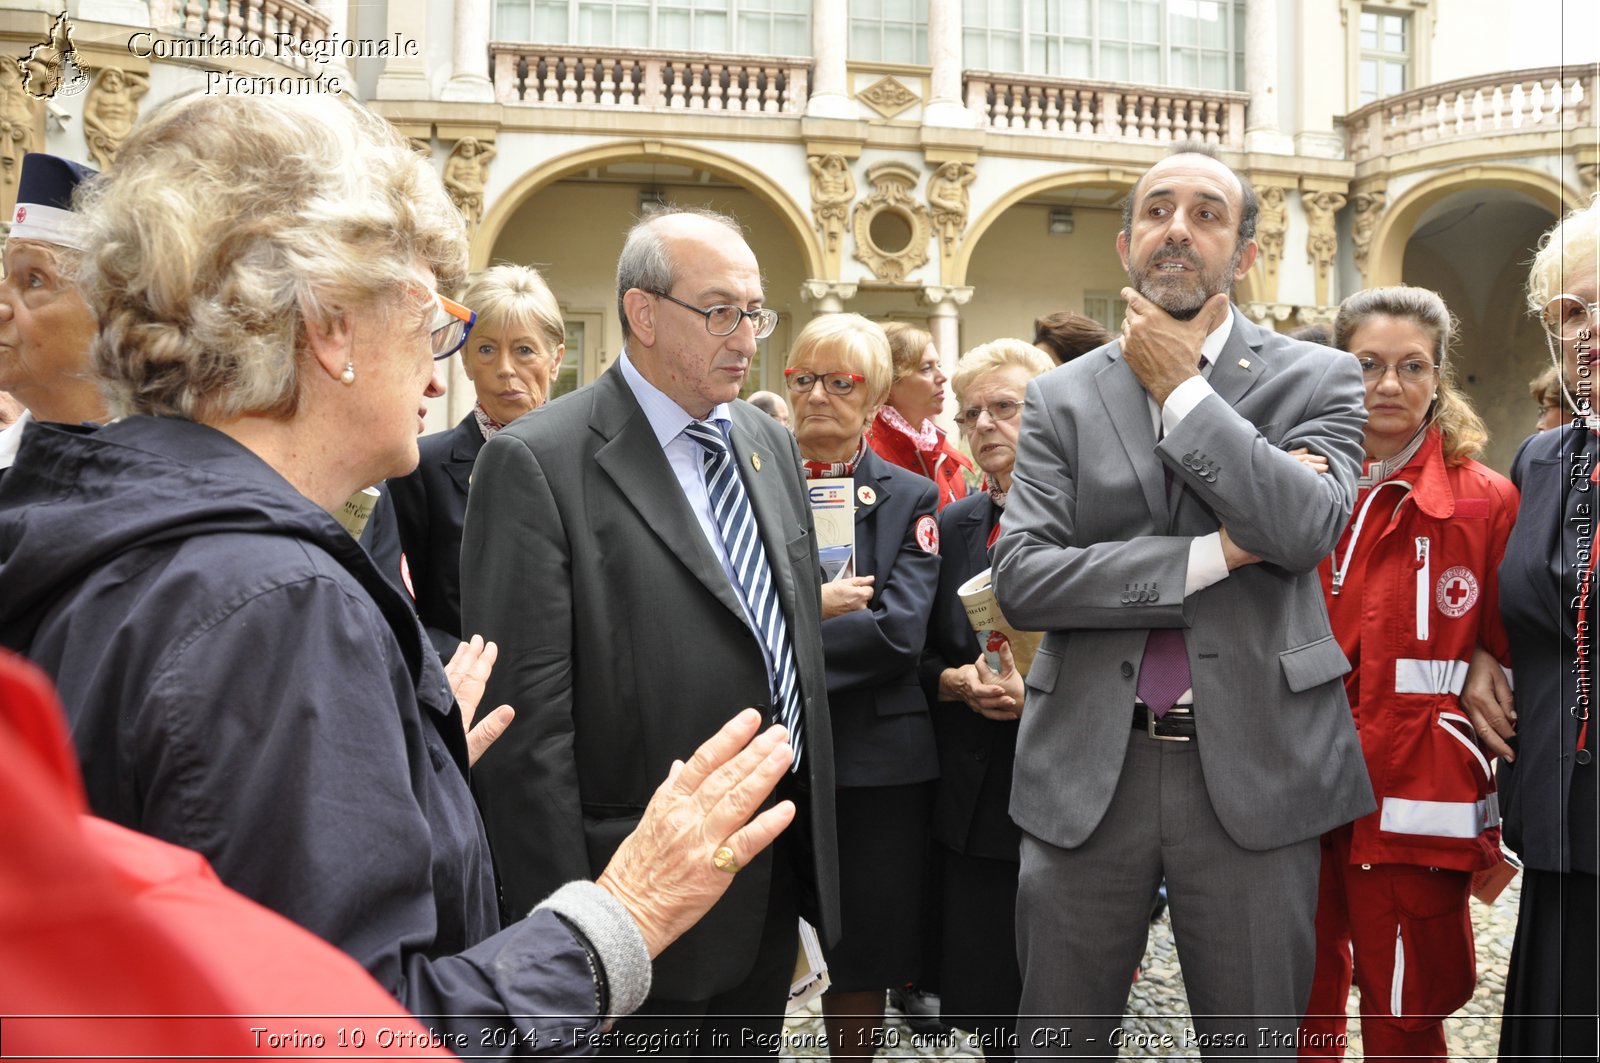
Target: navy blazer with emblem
(976, 754)
(881, 732)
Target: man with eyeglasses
(1160, 534)
(642, 551)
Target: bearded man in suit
(642, 552)
(1161, 534)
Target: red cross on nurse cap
(44, 200)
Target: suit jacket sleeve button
(1127, 670)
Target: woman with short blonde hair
(513, 359)
(975, 714)
(874, 622)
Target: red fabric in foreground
(97, 920)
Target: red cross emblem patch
(928, 534)
(1456, 591)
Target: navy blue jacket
(1548, 801)
(430, 505)
(881, 733)
(240, 680)
(976, 754)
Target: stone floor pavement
(1157, 1005)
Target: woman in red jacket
(1412, 591)
(903, 431)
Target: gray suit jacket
(623, 646)
(1094, 554)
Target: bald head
(650, 254)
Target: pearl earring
(348, 377)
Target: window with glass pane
(1385, 64)
(889, 31)
(1184, 43)
(570, 375)
(755, 27)
(1108, 308)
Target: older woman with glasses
(1413, 592)
(512, 356)
(238, 677)
(873, 629)
(1546, 735)
(975, 716)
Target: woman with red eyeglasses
(874, 624)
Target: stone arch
(1244, 291)
(1022, 192)
(1387, 257)
(758, 183)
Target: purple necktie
(1164, 672)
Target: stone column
(830, 85)
(470, 55)
(830, 296)
(945, 106)
(1261, 79)
(337, 12)
(944, 323)
(406, 77)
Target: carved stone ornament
(19, 119)
(890, 227)
(1271, 225)
(1368, 207)
(947, 196)
(888, 96)
(466, 173)
(1322, 241)
(832, 190)
(110, 110)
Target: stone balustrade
(1521, 101)
(283, 28)
(652, 80)
(1023, 103)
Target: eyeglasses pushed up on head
(452, 322)
(723, 320)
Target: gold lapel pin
(755, 462)
(1244, 363)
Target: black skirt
(883, 848)
(1552, 988)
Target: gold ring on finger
(724, 860)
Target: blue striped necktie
(730, 505)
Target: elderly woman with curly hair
(238, 677)
(975, 716)
(511, 357)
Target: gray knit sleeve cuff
(614, 938)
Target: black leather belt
(1176, 726)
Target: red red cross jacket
(944, 466)
(1412, 589)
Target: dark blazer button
(980, 755)
(1127, 670)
